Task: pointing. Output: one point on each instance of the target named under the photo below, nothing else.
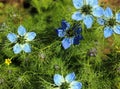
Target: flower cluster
(21, 40)
(68, 82)
(71, 35)
(87, 9)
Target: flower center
(64, 86)
(21, 40)
(70, 33)
(111, 22)
(86, 9)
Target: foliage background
(96, 61)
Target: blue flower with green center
(71, 35)
(21, 40)
(86, 10)
(110, 22)
(68, 82)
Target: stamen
(111, 22)
(21, 40)
(86, 9)
(70, 33)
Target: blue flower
(68, 82)
(87, 9)
(21, 40)
(110, 22)
(71, 35)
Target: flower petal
(108, 32)
(61, 32)
(21, 30)
(77, 39)
(92, 2)
(65, 25)
(87, 2)
(118, 17)
(70, 77)
(88, 21)
(78, 31)
(77, 16)
(26, 47)
(30, 36)
(17, 48)
(98, 11)
(75, 85)
(67, 42)
(101, 21)
(117, 29)
(12, 37)
(78, 3)
(58, 79)
(108, 12)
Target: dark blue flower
(68, 82)
(110, 22)
(71, 35)
(87, 9)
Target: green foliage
(99, 70)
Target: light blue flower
(86, 10)
(21, 40)
(110, 22)
(71, 35)
(68, 82)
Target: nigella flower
(110, 22)
(86, 10)
(68, 82)
(21, 40)
(71, 35)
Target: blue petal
(88, 21)
(108, 32)
(101, 21)
(30, 36)
(117, 29)
(91, 2)
(67, 42)
(21, 30)
(58, 79)
(108, 12)
(12, 37)
(70, 77)
(75, 85)
(79, 30)
(61, 32)
(98, 11)
(77, 39)
(77, 16)
(65, 25)
(26, 47)
(78, 3)
(17, 48)
(87, 2)
(118, 17)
